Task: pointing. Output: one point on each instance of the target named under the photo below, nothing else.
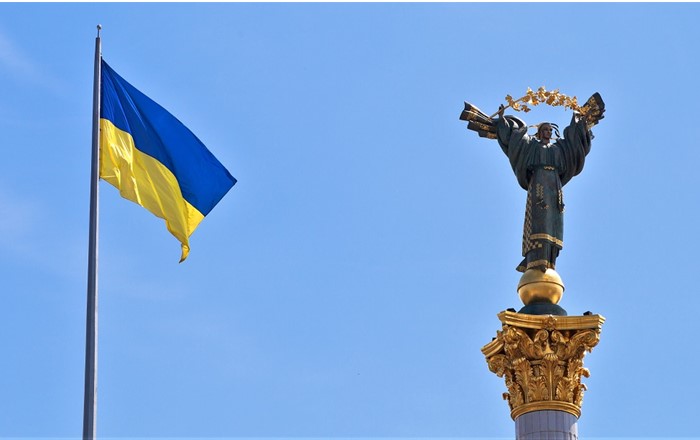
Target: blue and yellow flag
(155, 161)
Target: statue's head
(545, 130)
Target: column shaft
(550, 425)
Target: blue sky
(345, 286)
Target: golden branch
(534, 98)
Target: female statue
(542, 167)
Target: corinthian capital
(541, 359)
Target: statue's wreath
(591, 111)
(553, 98)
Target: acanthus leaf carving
(543, 364)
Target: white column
(550, 425)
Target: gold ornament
(541, 359)
(534, 98)
(537, 286)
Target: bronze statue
(542, 167)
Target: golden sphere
(537, 286)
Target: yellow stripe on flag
(145, 181)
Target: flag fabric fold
(155, 161)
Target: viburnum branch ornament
(552, 98)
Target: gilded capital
(541, 359)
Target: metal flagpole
(90, 402)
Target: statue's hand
(501, 109)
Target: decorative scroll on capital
(541, 359)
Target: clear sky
(345, 286)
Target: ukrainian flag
(155, 161)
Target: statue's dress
(542, 170)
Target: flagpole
(90, 400)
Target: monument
(539, 350)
